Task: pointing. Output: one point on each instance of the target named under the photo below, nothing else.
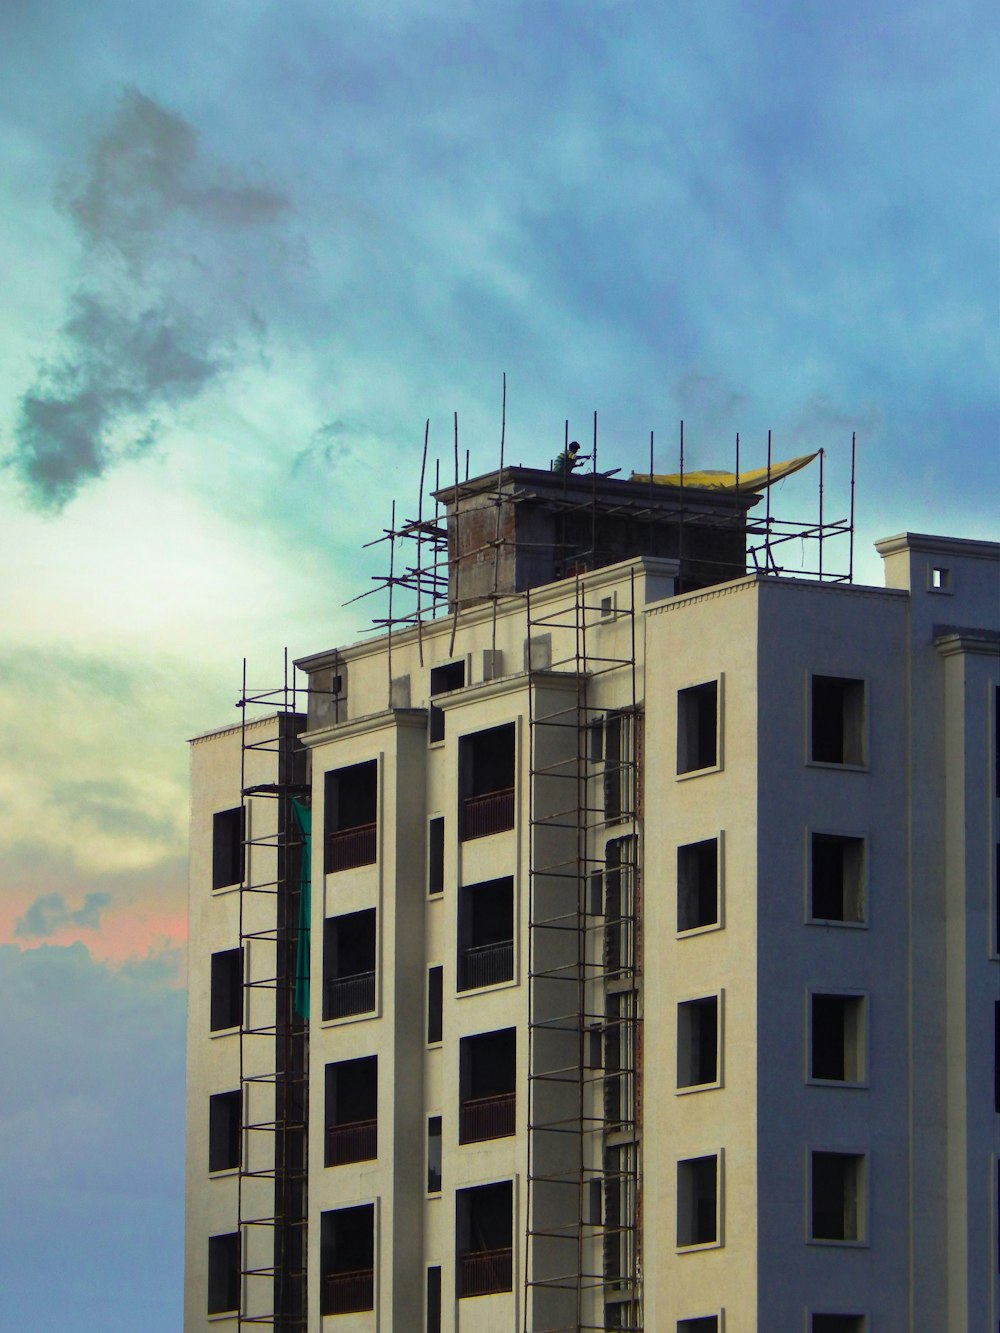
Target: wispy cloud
(152, 318)
(51, 913)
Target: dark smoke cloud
(50, 913)
(152, 319)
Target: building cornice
(967, 548)
(951, 640)
(361, 726)
(234, 729)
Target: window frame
(718, 1243)
(863, 1157)
(844, 834)
(685, 1089)
(719, 923)
(864, 1037)
(846, 766)
(683, 775)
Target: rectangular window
(706, 1323)
(838, 720)
(435, 856)
(487, 1085)
(996, 1057)
(347, 1260)
(445, 678)
(838, 1323)
(837, 878)
(434, 1299)
(620, 1210)
(698, 1201)
(698, 885)
(351, 1111)
(837, 1196)
(435, 1001)
(227, 847)
(619, 767)
(698, 1042)
(434, 1154)
(351, 820)
(486, 781)
(484, 1239)
(224, 1273)
(349, 964)
(227, 990)
(619, 1059)
(698, 727)
(224, 1125)
(485, 933)
(619, 907)
(837, 1032)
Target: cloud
(160, 306)
(50, 913)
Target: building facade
(619, 951)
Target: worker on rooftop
(569, 458)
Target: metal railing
(493, 812)
(486, 1271)
(356, 1142)
(487, 1117)
(349, 995)
(344, 1293)
(351, 847)
(487, 964)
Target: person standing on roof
(569, 458)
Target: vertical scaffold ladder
(583, 1257)
(274, 1051)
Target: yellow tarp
(759, 479)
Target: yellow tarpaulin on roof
(759, 479)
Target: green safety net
(303, 817)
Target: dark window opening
(227, 847)
(838, 1323)
(227, 989)
(435, 856)
(619, 769)
(486, 777)
(698, 1042)
(224, 1273)
(224, 1125)
(435, 1004)
(996, 1056)
(836, 1196)
(619, 1206)
(485, 933)
(698, 727)
(698, 884)
(347, 1259)
(619, 907)
(487, 1085)
(838, 867)
(434, 1154)
(351, 1111)
(484, 1239)
(451, 676)
(351, 816)
(697, 1201)
(434, 1299)
(349, 964)
(838, 714)
(837, 1038)
(708, 1323)
(619, 1059)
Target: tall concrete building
(618, 950)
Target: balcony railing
(486, 1271)
(344, 1293)
(493, 812)
(356, 1142)
(487, 964)
(349, 995)
(351, 847)
(487, 1117)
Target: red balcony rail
(350, 995)
(488, 1117)
(356, 1142)
(487, 964)
(351, 847)
(493, 812)
(486, 1271)
(344, 1293)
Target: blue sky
(248, 250)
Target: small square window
(837, 1038)
(224, 1273)
(698, 1042)
(698, 1201)
(698, 727)
(838, 1182)
(837, 878)
(938, 578)
(838, 721)
(698, 885)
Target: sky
(248, 250)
